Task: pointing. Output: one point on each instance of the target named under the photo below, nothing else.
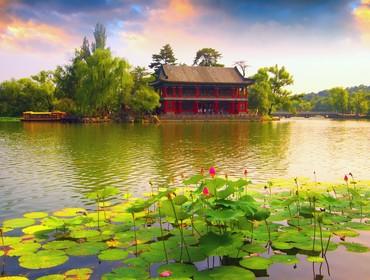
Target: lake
(45, 166)
(48, 166)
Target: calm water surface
(50, 166)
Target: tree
(279, 78)
(165, 56)
(260, 92)
(339, 98)
(85, 49)
(100, 37)
(242, 66)
(270, 83)
(144, 99)
(104, 82)
(359, 102)
(207, 57)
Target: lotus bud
(212, 172)
(206, 191)
(245, 172)
(165, 273)
(345, 178)
(202, 171)
(226, 176)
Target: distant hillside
(320, 101)
(325, 93)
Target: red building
(202, 90)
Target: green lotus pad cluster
(233, 228)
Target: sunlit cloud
(19, 35)
(362, 16)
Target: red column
(197, 91)
(216, 107)
(195, 107)
(174, 91)
(180, 90)
(164, 91)
(179, 107)
(165, 106)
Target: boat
(54, 116)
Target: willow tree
(104, 82)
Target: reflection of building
(202, 90)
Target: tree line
(96, 83)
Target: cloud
(362, 16)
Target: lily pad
(112, 255)
(18, 223)
(52, 277)
(78, 274)
(59, 244)
(315, 259)
(22, 249)
(35, 215)
(69, 212)
(225, 272)
(43, 259)
(256, 263)
(355, 247)
(13, 278)
(37, 229)
(178, 270)
(86, 249)
(285, 259)
(126, 273)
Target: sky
(322, 43)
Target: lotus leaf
(13, 278)
(178, 270)
(69, 212)
(18, 223)
(180, 199)
(35, 215)
(52, 277)
(86, 249)
(193, 180)
(315, 259)
(285, 259)
(258, 263)
(37, 230)
(225, 272)
(22, 249)
(112, 255)
(355, 247)
(78, 274)
(59, 245)
(126, 273)
(42, 259)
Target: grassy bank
(10, 119)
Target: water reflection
(47, 166)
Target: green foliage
(339, 98)
(207, 57)
(165, 56)
(17, 96)
(269, 91)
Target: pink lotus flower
(345, 178)
(165, 273)
(206, 191)
(212, 172)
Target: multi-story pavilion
(202, 90)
